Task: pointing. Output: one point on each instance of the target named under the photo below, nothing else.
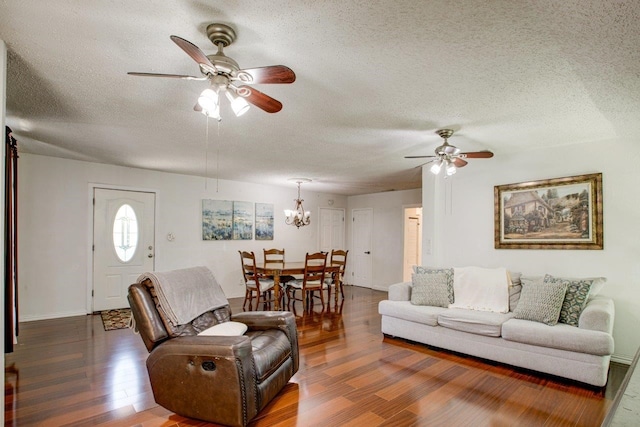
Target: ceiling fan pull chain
(206, 155)
(218, 158)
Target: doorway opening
(412, 240)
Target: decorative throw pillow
(540, 302)
(574, 300)
(432, 287)
(597, 283)
(516, 288)
(225, 329)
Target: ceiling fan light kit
(223, 73)
(450, 157)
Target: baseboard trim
(31, 318)
(621, 359)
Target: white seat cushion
(404, 310)
(473, 321)
(265, 284)
(298, 284)
(560, 336)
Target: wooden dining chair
(276, 256)
(312, 280)
(255, 285)
(339, 257)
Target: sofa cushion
(432, 288)
(473, 321)
(560, 336)
(515, 287)
(574, 299)
(514, 295)
(424, 314)
(541, 302)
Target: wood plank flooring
(70, 372)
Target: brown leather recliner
(222, 379)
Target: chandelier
(298, 216)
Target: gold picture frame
(558, 213)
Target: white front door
(123, 243)
(362, 232)
(331, 229)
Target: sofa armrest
(598, 315)
(196, 365)
(283, 320)
(400, 291)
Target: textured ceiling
(374, 82)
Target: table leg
(337, 284)
(276, 292)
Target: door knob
(368, 252)
(150, 255)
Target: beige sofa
(579, 353)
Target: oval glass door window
(125, 233)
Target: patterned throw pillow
(574, 300)
(432, 287)
(541, 302)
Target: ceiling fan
(225, 76)
(449, 156)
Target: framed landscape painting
(242, 220)
(217, 219)
(558, 213)
(264, 221)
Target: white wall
(388, 232)
(459, 215)
(55, 217)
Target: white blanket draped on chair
(186, 293)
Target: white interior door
(331, 229)
(123, 243)
(362, 257)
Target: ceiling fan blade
(460, 162)
(195, 53)
(418, 157)
(172, 76)
(485, 154)
(260, 100)
(270, 74)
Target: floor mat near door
(115, 319)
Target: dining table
(292, 268)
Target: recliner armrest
(283, 320)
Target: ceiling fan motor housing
(221, 33)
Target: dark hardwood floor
(70, 372)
